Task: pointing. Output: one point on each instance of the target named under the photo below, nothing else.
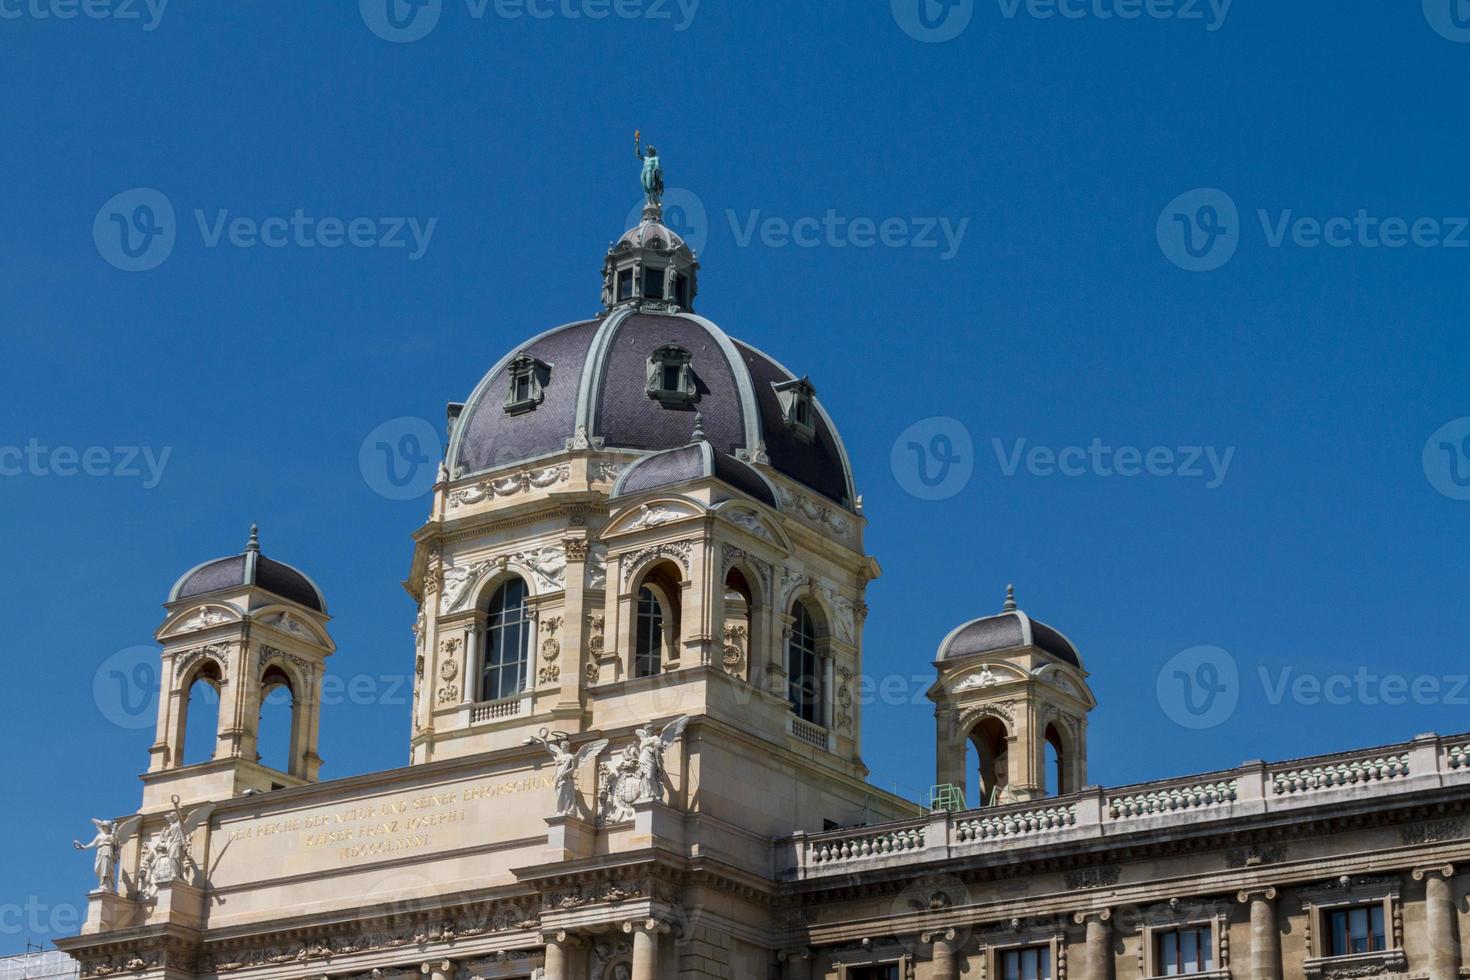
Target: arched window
(507, 635)
(802, 672)
(275, 739)
(648, 653)
(201, 715)
(1056, 771)
(992, 744)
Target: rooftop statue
(653, 171)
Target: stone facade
(636, 742)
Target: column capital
(795, 953)
(436, 966)
(1445, 871)
(650, 925)
(1267, 892)
(562, 938)
(938, 936)
(1100, 915)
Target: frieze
(1255, 855)
(218, 652)
(1103, 877)
(510, 486)
(1433, 832)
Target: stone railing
(1255, 789)
(1170, 799)
(1015, 822)
(814, 735)
(1336, 774)
(856, 846)
(495, 710)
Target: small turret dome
(1007, 630)
(250, 568)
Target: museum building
(636, 737)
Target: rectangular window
(653, 284)
(625, 284)
(1358, 929)
(1026, 963)
(1182, 951)
(523, 388)
(888, 971)
(681, 290)
(670, 380)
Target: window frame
(1179, 914)
(1345, 894)
(676, 357)
(811, 648)
(531, 374)
(798, 399)
(649, 662)
(493, 663)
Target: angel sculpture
(567, 764)
(111, 835)
(651, 750)
(166, 856)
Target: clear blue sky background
(1327, 548)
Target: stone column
(1099, 923)
(1441, 922)
(558, 965)
(645, 934)
(945, 967)
(796, 964)
(1265, 937)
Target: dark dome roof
(249, 568)
(595, 383)
(693, 462)
(1007, 630)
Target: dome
(654, 234)
(596, 383)
(693, 462)
(250, 568)
(1007, 630)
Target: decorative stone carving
(1255, 855)
(108, 843)
(733, 659)
(843, 699)
(167, 854)
(287, 623)
(548, 675)
(653, 515)
(814, 512)
(677, 550)
(509, 486)
(637, 775)
(750, 522)
(218, 652)
(204, 618)
(596, 567)
(1094, 877)
(548, 566)
(567, 764)
(1432, 833)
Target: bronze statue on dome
(652, 177)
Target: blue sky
(1066, 155)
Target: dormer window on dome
(528, 380)
(798, 406)
(670, 376)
